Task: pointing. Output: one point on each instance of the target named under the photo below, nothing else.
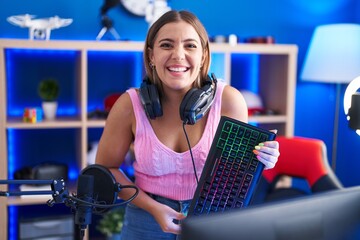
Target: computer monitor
(331, 215)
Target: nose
(178, 53)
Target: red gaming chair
(304, 158)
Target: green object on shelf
(48, 90)
(112, 222)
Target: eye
(191, 45)
(166, 45)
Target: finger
(268, 161)
(270, 148)
(173, 228)
(267, 153)
(271, 144)
(181, 217)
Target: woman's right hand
(165, 216)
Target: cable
(74, 198)
(187, 138)
(192, 157)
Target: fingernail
(257, 147)
(261, 144)
(255, 152)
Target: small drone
(39, 28)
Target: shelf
(89, 71)
(95, 123)
(72, 45)
(68, 122)
(251, 48)
(132, 45)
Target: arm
(234, 106)
(114, 144)
(116, 139)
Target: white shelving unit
(276, 81)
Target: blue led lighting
(254, 73)
(112, 72)
(13, 223)
(73, 173)
(61, 65)
(11, 153)
(21, 142)
(64, 111)
(138, 71)
(246, 68)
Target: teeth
(180, 69)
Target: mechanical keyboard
(231, 170)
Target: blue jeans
(141, 225)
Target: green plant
(112, 222)
(48, 90)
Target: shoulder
(122, 110)
(123, 103)
(233, 104)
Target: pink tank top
(160, 170)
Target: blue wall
(288, 21)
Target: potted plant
(48, 91)
(111, 223)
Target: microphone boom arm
(58, 190)
(56, 186)
(82, 204)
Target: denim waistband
(179, 205)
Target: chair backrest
(304, 158)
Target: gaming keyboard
(231, 170)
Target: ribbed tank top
(160, 170)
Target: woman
(177, 58)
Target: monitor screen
(331, 215)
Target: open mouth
(178, 69)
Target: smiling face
(177, 55)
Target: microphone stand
(58, 191)
(82, 202)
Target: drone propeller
(20, 20)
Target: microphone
(105, 188)
(97, 192)
(85, 191)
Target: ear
(203, 58)
(150, 54)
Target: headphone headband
(195, 104)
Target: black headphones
(193, 107)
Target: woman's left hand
(268, 153)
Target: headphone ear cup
(150, 100)
(155, 100)
(197, 102)
(188, 101)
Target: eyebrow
(171, 40)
